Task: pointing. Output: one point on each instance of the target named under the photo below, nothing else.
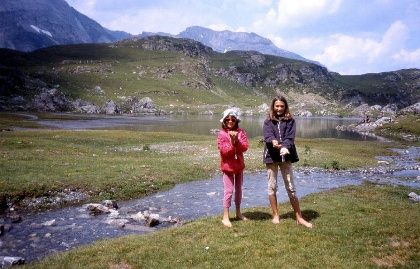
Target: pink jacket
(231, 156)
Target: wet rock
(152, 220)
(6, 261)
(111, 204)
(97, 209)
(113, 214)
(139, 217)
(49, 223)
(119, 223)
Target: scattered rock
(410, 110)
(110, 204)
(414, 197)
(51, 100)
(6, 261)
(110, 108)
(97, 209)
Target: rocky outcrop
(51, 100)
(187, 47)
(256, 69)
(85, 107)
(410, 110)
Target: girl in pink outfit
(232, 142)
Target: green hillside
(183, 75)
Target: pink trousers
(232, 182)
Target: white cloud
(411, 58)
(290, 12)
(150, 20)
(367, 54)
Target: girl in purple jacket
(280, 151)
(232, 142)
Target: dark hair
(234, 127)
(286, 116)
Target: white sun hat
(231, 112)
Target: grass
(368, 226)
(409, 124)
(119, 164)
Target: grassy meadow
(367, 226)
(119, 164)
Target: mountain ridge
(27, 25)
(183, 74)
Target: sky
(347, 36)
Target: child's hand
(284, 151)
(233, 136)
(276, 144)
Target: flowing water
(44, 233)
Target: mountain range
(44, 51)
(27, 25)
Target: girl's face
(279, 108)
(230, 122)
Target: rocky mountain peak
(223, 41)
(27, 25)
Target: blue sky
(346, 36)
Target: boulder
(51, 100)
(410, 110)
(82, 106)
(97, 209)
(110, 108)
(6, 261)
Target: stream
(45, 233)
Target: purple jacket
(284, 132)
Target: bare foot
(276, 220)
(241, 217)
(227, 223)
(305, 223)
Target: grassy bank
(126, 164)
(403, 126)
(366, 226)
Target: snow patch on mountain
(41, 31)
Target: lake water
(311, 127)
(32, 239)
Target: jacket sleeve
(243, 144)
(225, 145)
(289, 134)
(268, 132)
